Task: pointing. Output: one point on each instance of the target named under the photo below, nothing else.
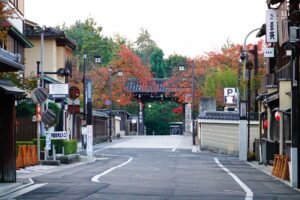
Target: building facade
(279, 93)
(12, 45)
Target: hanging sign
(271, 26)
(58, 91)
(269, 52)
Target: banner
(271, 26)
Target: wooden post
(7, 139)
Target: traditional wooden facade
(11, 60)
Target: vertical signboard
(48, 141)
(188, 118)
(89, 137)
(271, 26)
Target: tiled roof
(153, 86)
(8, 88)
(223, 115)
(219, 115)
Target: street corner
(32, 171)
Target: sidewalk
(267, 169)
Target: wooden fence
(26, 129)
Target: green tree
(90, 41)
(160, 112)
(216, 80)
(157, 63)
(145, 46)
(174, 61)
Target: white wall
(223, 136)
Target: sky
(187, 27)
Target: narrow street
(157, 167)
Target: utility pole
(294, 64)
(84, 86)
(193, 103)
(110, 106)
(42, 74)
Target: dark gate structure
(157, 89)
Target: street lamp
(119, 73)
(193, 102)
(97, 60)
(182, 68)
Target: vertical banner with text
(89, 145)
(271, 26)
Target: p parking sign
(230, 96)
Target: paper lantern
(277, 115)
(265, 124)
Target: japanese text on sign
(271, 26)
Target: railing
(268, 79)
(284, 72)
(10, 56)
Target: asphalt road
(165, 169)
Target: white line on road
(23, 191)
(249, 193)
(101, 149)
(96, 178)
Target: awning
(8, 65)
(50, 80)
(8, 88)
(272, 97)
(20, 37)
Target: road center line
(249, 193)
(96, 177)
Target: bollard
(63, 150)
(53, 152)
(46, 153)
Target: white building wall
(223, 136)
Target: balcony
(284, 73)
(10, 61)
(267, 80)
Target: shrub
(58, 145)
(42, 143)
(70, 146)
(25, 109)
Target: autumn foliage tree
(213, 72)
(5, 13)
(131, 66)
